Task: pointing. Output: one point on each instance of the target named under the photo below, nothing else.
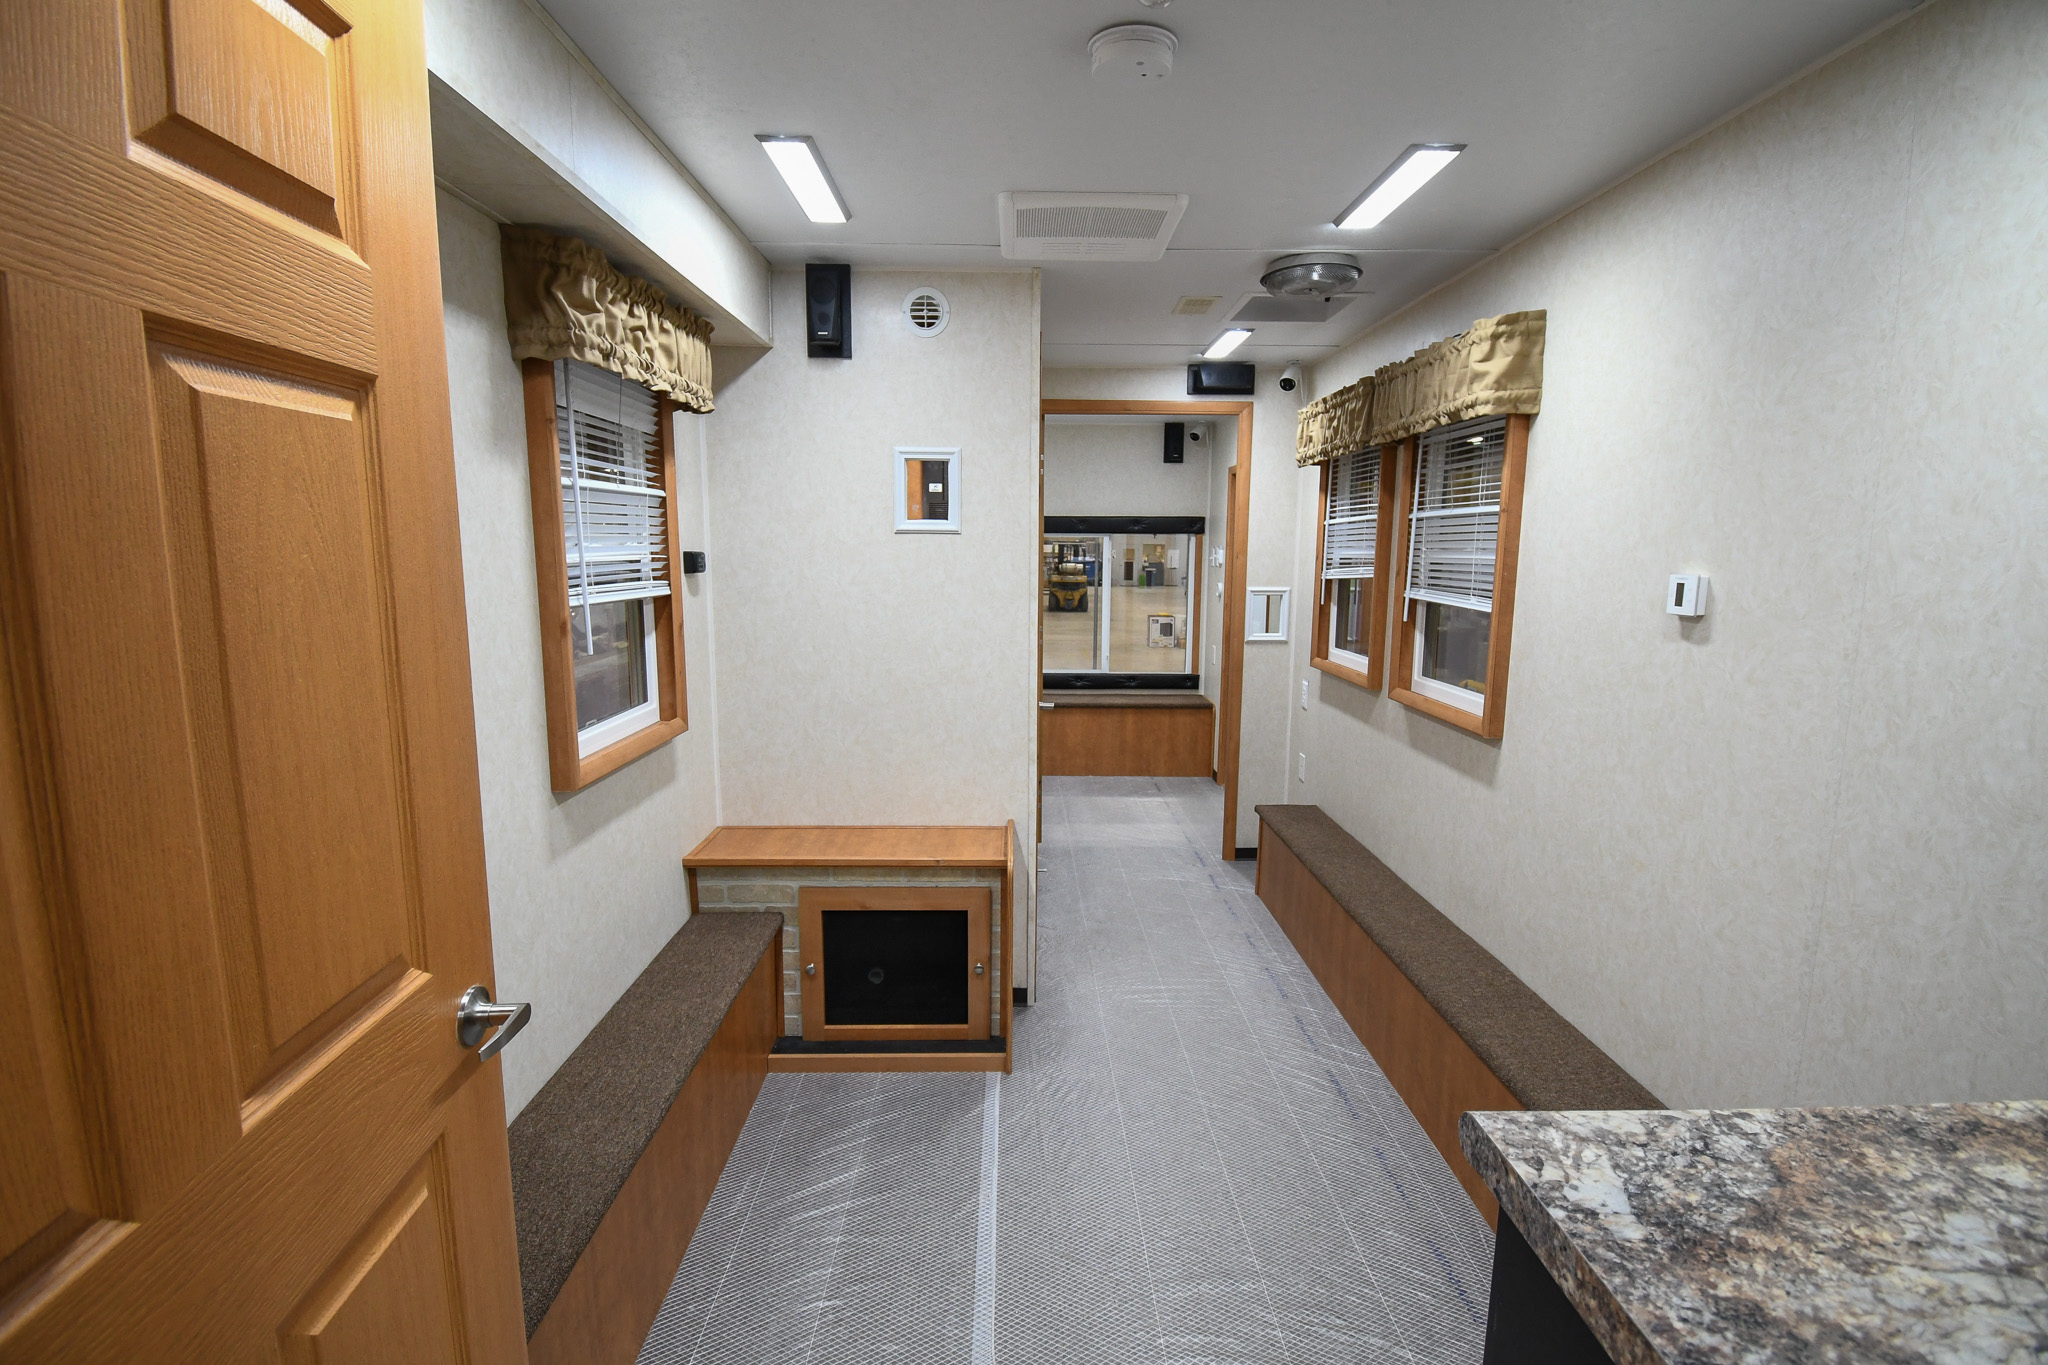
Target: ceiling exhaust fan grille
(1071, 221)
(1046, 225)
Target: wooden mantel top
(853, 846)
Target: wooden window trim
(569, 770)
(1489, 723)
(1376, 607)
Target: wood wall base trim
(1437, 1075)
(782, 1062)
(609, 1301)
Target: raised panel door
(240, 837)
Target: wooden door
(240, 844)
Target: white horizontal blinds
(1455, 526)
(614, 521)
(1351, 524)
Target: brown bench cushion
(577, 1140)
(1536, 1053)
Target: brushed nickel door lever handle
(476, 1016)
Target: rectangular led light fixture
(1225, 344)
(1411, 170)
(803, 170)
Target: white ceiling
(1277, 114)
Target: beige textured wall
(1271, 559)
(868, 677)
(585, 888)
(1121, 470)
(1793, 853)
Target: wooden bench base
(1097, 738)
(604, 1310)
(1436, 1074)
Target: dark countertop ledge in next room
(1852, 1235)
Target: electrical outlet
(1301, 767)
(1304, 694)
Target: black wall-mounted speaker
(828, 311)
(1221, 378)
(693, 561)
(1176, 442)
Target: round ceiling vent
(1311, 274)
(1133, 54)
(926, 311)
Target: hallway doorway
(1174, 571)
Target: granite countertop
(1865, 1235)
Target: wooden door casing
(240, 836)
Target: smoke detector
(1317, 274)
(1132, 54)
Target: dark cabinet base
(1529, 1321)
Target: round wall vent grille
(926, 312)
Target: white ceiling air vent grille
(926, 311)
(1040, 225)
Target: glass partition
(1119, 603)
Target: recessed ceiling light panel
(796, 157)
(1228, 342)
(1411, 170)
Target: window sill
(1356, 677)
(583, 771)
(1486, 725)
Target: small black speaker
(1176, 442)
(828, 311)
(693, 561)
(1229, 378)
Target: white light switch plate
(1304, 694)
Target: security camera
(1194, 435)
(1292, 378)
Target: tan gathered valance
(1493, 367)
(1335, 424)
(563, 300)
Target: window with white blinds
(614, 513)
(1454, 529)
(1351, 522)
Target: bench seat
(1451, 1026)
(641, 1115)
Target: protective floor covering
(1195, 1160)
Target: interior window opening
(1121, 603)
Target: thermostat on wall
(1687, 595)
